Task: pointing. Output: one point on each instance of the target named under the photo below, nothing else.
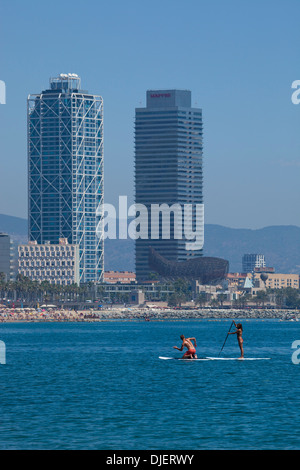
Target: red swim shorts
(190, 351)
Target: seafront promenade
(144, 314)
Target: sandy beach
(8, 315)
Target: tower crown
(65, 81)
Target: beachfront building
(65, 161)
(123, 277)
(8, 258)
(251, 261)
(154, 291)
(55, 263)
(237, 280)
(168, 170)
(276, 281)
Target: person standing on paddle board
(191, 349)
(239, 332)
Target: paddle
(225, 339)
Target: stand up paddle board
(216, 359)
(238, 358)
(181, 359)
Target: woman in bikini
(239, 332)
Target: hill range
(280, 244)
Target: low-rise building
(236, 280)
(276, 281)
(123, 277)
(153, 291)
(8, 257)
(56, 263)
(265, 269)
(137, 297)
(260, 280)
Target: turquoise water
(102, 386)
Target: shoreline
(142, 314)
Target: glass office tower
(168, 168)
(65, 168)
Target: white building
(56, 263)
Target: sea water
(102, 386)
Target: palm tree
(261, 297)
(279, 297)
(221, 299)
(200, 299)
(243, 300)
(214, 303)
(173, 300)
(292, 298)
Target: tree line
(175, 292)
(25, 290)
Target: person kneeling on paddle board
(191, 349)
(239, 332)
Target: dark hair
(182, 337)
(239, 326)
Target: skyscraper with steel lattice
(65, 168)
(168, 169)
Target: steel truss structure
(65, 177)
(203, 269)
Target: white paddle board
(216, 359)
(238, 358)
(181, 359)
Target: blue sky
(239, 59)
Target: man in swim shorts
(191, 349)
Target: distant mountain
(13, 225)
(119, 255)
(280, 245)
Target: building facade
(154, 291)
(55, 263)
(237, 280)
(168, 170)
(123, 277)
(65, 166)
(252, 261)
(8, 257)
(277, 281)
